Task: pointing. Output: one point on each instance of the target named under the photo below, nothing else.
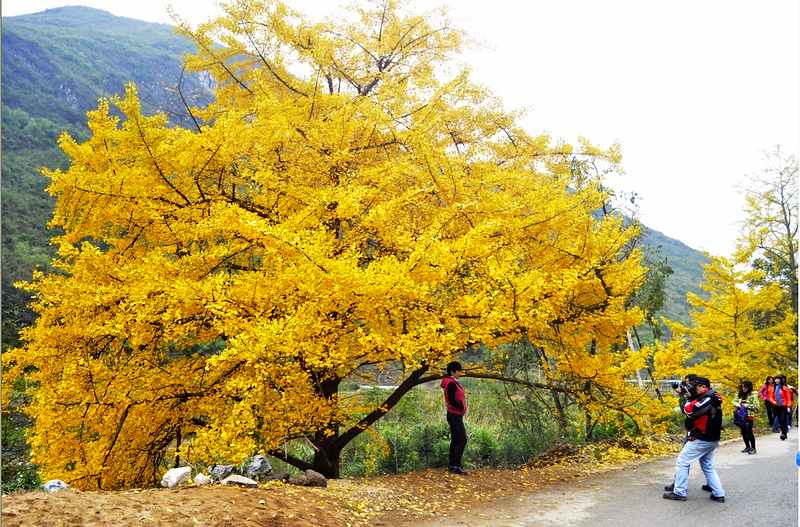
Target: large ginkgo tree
(350, 202)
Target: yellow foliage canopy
(343, 202)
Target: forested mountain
(57, 63)
(687, 271)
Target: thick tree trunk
(328, 450)
(587, 388)
(178, 448)
(327, 458)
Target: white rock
(176, 476)
(258, 468)
(54, 485)
(236, 479)
(202, 479)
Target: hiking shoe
(457, 470)
(673, 496)
(718, 499)
(746, 450)
(706, 488)
(752, 451)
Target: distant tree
(769, 237)
(651, 296)
(727, 329)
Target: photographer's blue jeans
(702, 451)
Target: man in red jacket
(703, 413)
(456, 402)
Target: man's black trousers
(458, 438)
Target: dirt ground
(209, 506)
(384, 501)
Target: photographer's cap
(702, 380)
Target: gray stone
(315, 479)
(297, 479)
(54, 485)
(258, 468)
(236, 479)
(202, 479)
(176, 476)
(220, 472)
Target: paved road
(761, 490)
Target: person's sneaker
(719, 499)
(673, 496)
(752, 451)
(783, 437)
(746, 450)
(457, 470)
(706, 488)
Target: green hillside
(57, 63)
(687, 271)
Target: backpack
(714, 426)
(739, 416)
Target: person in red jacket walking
(455, 401)
(765, 394)
(781, 399)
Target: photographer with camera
(681, 389)
(703, 411)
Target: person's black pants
(458, 438)
(747, 434)
(770, 413)
(782, 416)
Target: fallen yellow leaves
(433, 492)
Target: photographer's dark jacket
(704, 416)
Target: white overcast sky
(694, 91)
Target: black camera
(680, 387)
